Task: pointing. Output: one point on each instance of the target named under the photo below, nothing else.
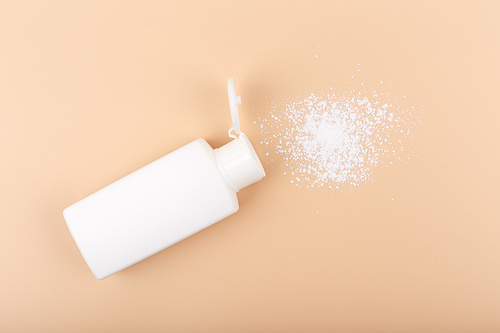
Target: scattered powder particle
(328, 139)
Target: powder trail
(329, 139)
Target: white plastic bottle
(163, 202)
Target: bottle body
(151, 209)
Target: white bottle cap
(234, 101)
(239, 163)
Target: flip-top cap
(239, 163)
(234, 101)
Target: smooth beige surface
(91, 90)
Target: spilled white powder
(329, 140)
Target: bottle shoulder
(209, 151)
(203, 144)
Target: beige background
(90, 91)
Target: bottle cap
(234, 101)
(239, 163)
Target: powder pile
(329, 140)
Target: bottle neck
(238, 163)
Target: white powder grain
(328, 139)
